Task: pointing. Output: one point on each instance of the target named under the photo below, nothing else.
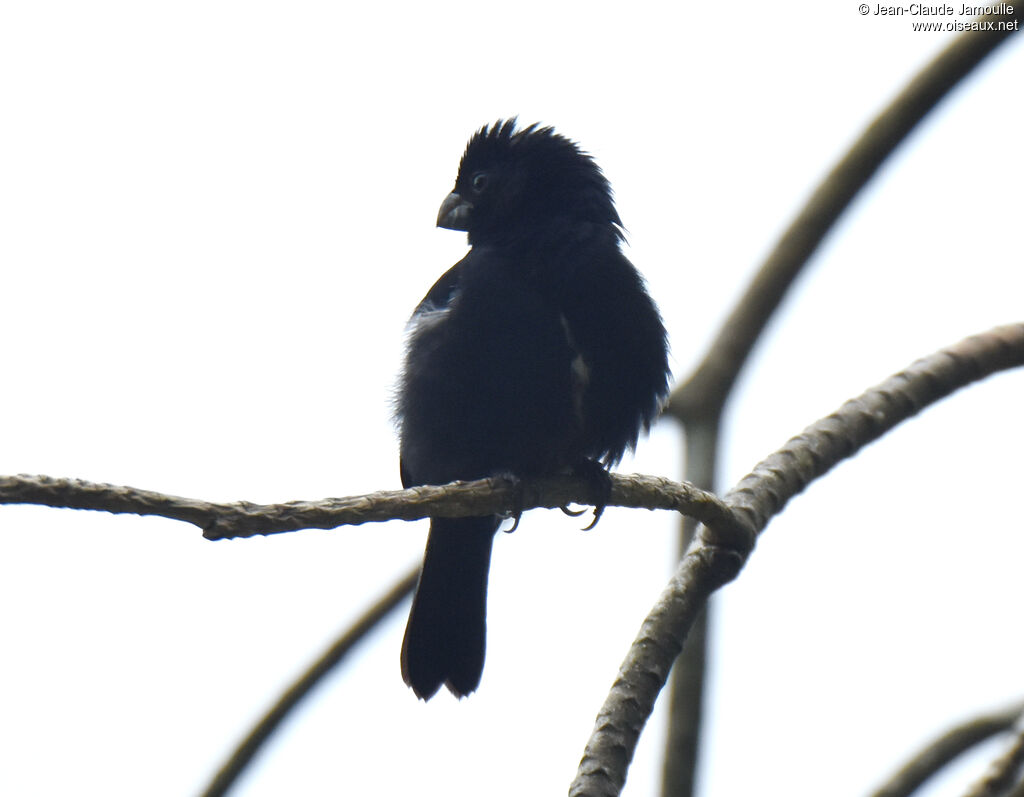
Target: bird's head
(517, 185)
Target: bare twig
(706, 389)
(686, 694)
(808, 456)
(250, 746)
(698, 401)
(1003, 773)
(458, 499)
(946, 748)
(714, 559)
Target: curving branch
(458, 499)
(719, 552)
(253, 742)
(244, 519)
(1003, 775)
(707, 388)
(698, 402)
(715, 558)
(945, 749)
(808, 456)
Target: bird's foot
(594, 473)
(516, 510)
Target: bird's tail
(446, 635)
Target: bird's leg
(594, 473)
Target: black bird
(539, 352)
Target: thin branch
(709, 385)
(686, 693)
(699, 401)
(808, 456)
(251, 745)
(1002, 773)
(716, 558)
(943, 750)
(458, 499)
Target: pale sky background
(215, 219)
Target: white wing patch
(429, 315)
(580, 373)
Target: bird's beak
(454, 213)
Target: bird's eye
(479, 182)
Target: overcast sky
(215, 219)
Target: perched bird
(539, 352)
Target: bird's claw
(515, 522)
(516, 511)
(590, 470)
(600, 482)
